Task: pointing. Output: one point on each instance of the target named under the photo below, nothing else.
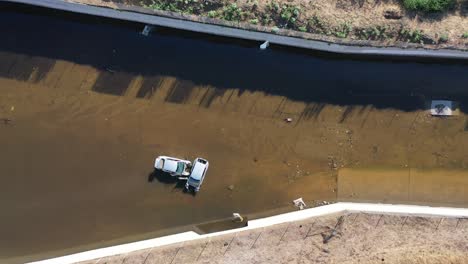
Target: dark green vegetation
(428, 5)
(299, 17)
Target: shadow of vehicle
(166, 178)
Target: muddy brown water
(86, 106)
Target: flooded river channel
(87, 104)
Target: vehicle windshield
(160, 164)
(194, 180)
(180, 167)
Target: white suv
(195, 180)
(173, 166)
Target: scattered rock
(231, 187)
(322, 203)
(426, 39)
(225, 244)
(326, 250)
(392, 14)
(255, 159)
(332, 163)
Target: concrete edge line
(241, 33)
(260, 223)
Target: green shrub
(373, 33)
(317, 25)
(287, 14)
(443, 38)
(343, 30)
(465, 35)
(212, 13)
(253, 21)
(266, 19)
(302, 28)
(181, 6)
(428, 5)
(273, 6)
(415, 36)
(232, 12)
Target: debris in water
(289, 120)
(12, 108)
(231, 187)
(6, 121)
(237, 217)
(147, 30)
(265, 45)
(299, 203)
(323, 203)
(441, 108)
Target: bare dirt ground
(365, 20)
(358, 238)
(83, 116)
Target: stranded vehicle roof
(170, 165)
(199, 169)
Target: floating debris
(300, 203)
(147, 30)
(264, 45)
(441, 108)
(289, 120)
(6, 121)
(237, 217)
